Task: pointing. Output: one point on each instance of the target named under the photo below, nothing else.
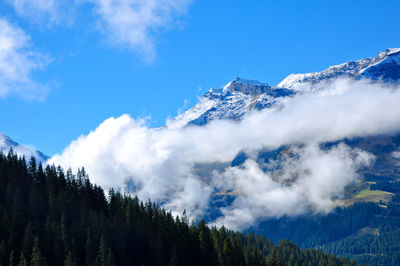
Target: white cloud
(160, 162)
(131, 24)
(396, 156)
(310, 180)
(134, 23)
(18, 62)
(50, 12)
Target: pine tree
(275, 259)
(109, 258)
(32, 167)
(22, 260)
(37, 259)
(208, 253)
(227, 253)
(3, 252)
(11, 259)
(104, 255)
(28, 242)
(174, 258)
(70, 260)
(90, 249)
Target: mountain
(6, 143)
(367, 229)
(240, 96)
(232, 101)
(385, 66)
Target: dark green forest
(52, 217)
(366, 232)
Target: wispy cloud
(130, 24)
(160, 163)
(135, 23)
(18, 62)
(45, 12)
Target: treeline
(317, 230)
(389, 186)
(365, 232)
(380, 248)
(52, 217)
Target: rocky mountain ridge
(240, 96)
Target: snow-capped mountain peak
(231, 101)
(246, 86)
(6, 143)
(385, 66)
(389, 51)
(239, 96)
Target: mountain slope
(385, 66)
(367, 228)
(243, 95)
(6, 143)
(231, 102)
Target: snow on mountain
(242, 95)
(6, 143)
(231, 102)
(385, 66)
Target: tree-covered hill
(367, 232)
(52, 217)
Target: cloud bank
(160, 163)
(307, 182)
(18, 62)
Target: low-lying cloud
(308, 182)
(159, 163)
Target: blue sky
(76, 64)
